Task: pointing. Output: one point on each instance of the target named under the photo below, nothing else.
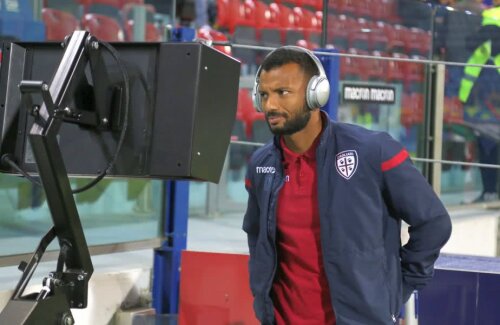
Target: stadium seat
(396, 38)
(245, 32)
(246, 109)
(412, 109)
(378, 38)
(359, 37)
(396, 69)
(341, 29)
(224, 11)
(289, 24)
(414, 75)
(351, 67)
(152, 32)
(58, 24)
(346, 7)
(209, 34)
(363, 9)
(103, 27)
(267, 24)
(235, 13)
(412, 38)
(310, 22)
(385, 10)
(376, 70)
(311, 4)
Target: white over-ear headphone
(318, 88)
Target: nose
(269, 103)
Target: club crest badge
(346, 163)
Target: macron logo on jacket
(265, 170)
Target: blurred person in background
(485, 48)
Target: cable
(8, 159)
(112, 162)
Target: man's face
(282, 91)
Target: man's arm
(411, 198)
(251, 218)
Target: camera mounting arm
(67, 287)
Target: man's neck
(301, 141)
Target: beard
(293, 124)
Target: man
(325, 205)
(485, 47)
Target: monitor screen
(182, 106)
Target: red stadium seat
(290, 26)
(414, 76)
(311, 4)
(347, 7)
(396, 69)
(359, 37)
(310, 23)
(376, 70)
(247, 110)
(341, 29)
(209, 34)
(378, 37)
(58, 24)
(363, 9)
(412, 109)
(103, 27)
(266, 16)
(233, 13)
(396, 38)
(152, 32)
(412, 38)
(385, 10)
(245, 31)
(351, 68)
(268, 24)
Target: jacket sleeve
(251, 217)
(410, 198)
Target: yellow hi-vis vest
(481, 55)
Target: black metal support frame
(67, 287)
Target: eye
(284, 92)
(263, 95)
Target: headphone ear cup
(322, 91)
(318, 92)
(256, 98)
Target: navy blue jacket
(366, 185)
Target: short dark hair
(285, 55)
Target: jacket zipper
(318, 168)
